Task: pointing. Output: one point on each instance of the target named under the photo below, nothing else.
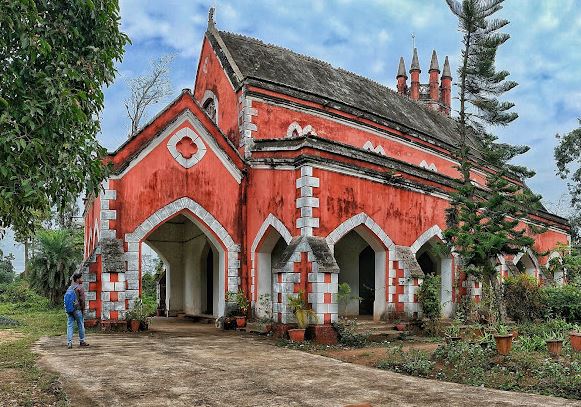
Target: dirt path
(197, 365)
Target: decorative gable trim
(190, 118)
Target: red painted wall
(158, 180)
(211, 76)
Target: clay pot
(240, 322)
(503, 344)
(296, 335)
(134, 325)
(576, 341)
(555, 346)
(400, 327)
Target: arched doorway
(267, 255)
(362, 260)
(193, 283)
(525, 264)
(435, 262)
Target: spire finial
(434, 66)
(446, 73)
(401, 68)
(415, 61)
(211, 22)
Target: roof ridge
(310, 58)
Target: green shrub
(429, 297)
(524, 299)
(348, 335)
(467, 363)
(21, 296)
(564, 302)
(414, 362)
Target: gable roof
(251, 60)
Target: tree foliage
(568, 157)
(56, 56)
(146, 90)
(56, 257)
(7, 272)
(483, 221)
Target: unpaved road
(185, 364)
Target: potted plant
(554, 343)
(303, 315)
(575, 336)
(503, 340)
(344, 297)
(137, 317)
(243, 305)
(453, 331)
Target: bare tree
(148, 89)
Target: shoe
(83, 344)
(69, 346)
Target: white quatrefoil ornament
(186, 147)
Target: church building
(279, 173)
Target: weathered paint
(311, 191)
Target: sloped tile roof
(280, 66)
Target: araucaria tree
(56, 56)
(483, 221)
(568, 157)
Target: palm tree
(56, 257)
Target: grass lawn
(22, 382)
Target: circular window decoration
(186, 147)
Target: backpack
(71, 300)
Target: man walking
(74, 307)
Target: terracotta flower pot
(503, 344)
(400, 327)
(240, 322)
(134, 325)
(576, 341)
(555, 346)
(296, 335)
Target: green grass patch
(20, 327)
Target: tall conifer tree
(483, 220)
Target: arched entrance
(433, 261)
(192, 275)
(184, 234)
(270, 242)
(525, 262)
(360, 248)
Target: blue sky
(368, 37)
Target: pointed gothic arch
(442, 264)
(364, 226)
(220, 238)
(264, 251)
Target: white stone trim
(306, 202)
(210, 142)
(208, 94)
(434, 231)
(368, 129)
(215, 232)
(301, 131)
(277, 224)
(432, 167)
(246, 127)
(186, 132)
(531, 255)
(361, 219)
(369, 146)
